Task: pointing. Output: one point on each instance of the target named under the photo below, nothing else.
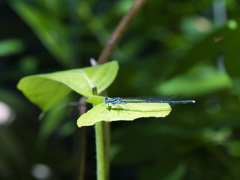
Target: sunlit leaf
(126, 112)
(94, 99)
(45, 90)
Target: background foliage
(175, 47)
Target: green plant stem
(100, 151)
(103, 164)
(82, 153)
(83, 134)
(99, 147)
(107, 137)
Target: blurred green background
(185, 48)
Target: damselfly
(117, 101)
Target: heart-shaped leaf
(46, 90)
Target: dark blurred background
(185, 48)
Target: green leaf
(203, 50)
(49, 29)
(46, 90)
(52, 119)
(169, 168)
(94, 99)
(10, 46)
(129, 112)
(202, 79)
(231, 57)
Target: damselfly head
(106, 100)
